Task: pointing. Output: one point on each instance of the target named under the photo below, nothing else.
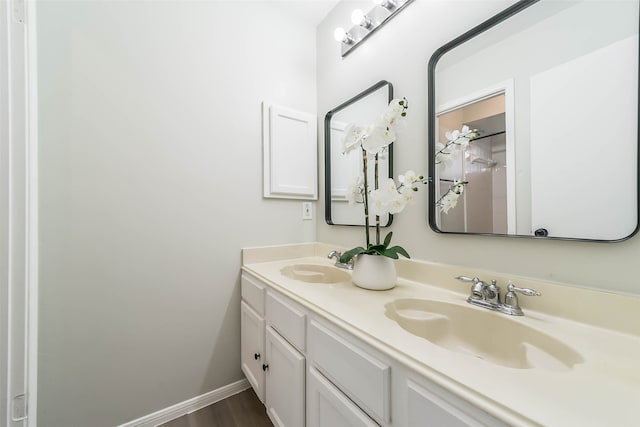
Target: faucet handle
(524, 291)
(511, 305)
(467, 279)
(335, 254)
(477, 291)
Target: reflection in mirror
(482, 165)
(556, 113)
(342, 170)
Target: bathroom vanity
(319, 351)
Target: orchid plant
(387, 197)
(457, 141)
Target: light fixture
(359, 18)
(366, 23)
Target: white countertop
(604, 390)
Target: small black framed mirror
(552, 89)
(342, 170)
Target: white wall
(399, 53)
(151, 183)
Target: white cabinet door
(329, 407)
(252, 348)
(430, 406)
(285, 370)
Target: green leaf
(389, 253)
(387, 239)
(347, 256)
(400, 250)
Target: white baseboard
(179, 409)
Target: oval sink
(312, 273)
(485, 334)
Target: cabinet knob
(256, 356)
(265, 367)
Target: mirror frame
(431, 124)
(327, 149)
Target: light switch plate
(307, 210)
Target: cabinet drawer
(329, 407)
(286, 318)
(253, 292)
(362, 377)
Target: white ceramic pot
(374, 272)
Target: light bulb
(388, 4)
(357, 17)
(339, 34)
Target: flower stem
(366, 196)
(377, 217)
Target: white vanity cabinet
(310, 372)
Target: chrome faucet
(488, 295)
(337, 255)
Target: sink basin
(312, 273)
(488, 335)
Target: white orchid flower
(353, 137)
(388, 185)
(378, 139)
(396, 203)
(393, 117)
(408, 194)
(444, 160)
(452, 136)
(408, 178)
(355, 191)
(387, 199)
(459, 139)
(441, 155)
(449, 201)
(378, 201)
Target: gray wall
(151, 183)
(399, 53)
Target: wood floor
(240, 410)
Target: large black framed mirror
(342, 170)
(552, 89)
